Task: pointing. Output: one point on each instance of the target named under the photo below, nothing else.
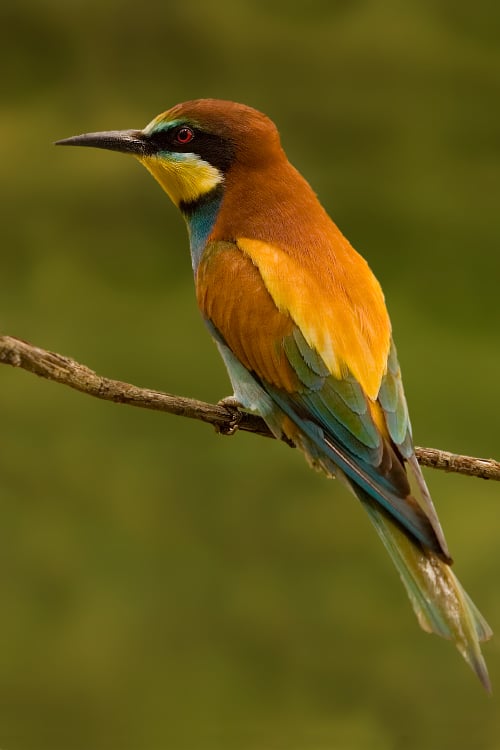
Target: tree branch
(225, 418)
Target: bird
(301, 323)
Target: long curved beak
(125, 141)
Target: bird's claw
(232, 406)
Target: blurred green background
(163, 587)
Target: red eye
(184, 135)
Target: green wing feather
(340, 408)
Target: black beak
(126, 141)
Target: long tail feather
(440, 603)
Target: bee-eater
(301, 324)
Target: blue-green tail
(439, 600)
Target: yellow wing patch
(341, 314)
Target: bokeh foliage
(162, 587)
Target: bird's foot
(233, 407)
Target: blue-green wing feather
(335, 427)
(345, 438)
(392, 400)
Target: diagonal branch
(226, 419)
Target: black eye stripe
(210, 147)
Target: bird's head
(191, 148)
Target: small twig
(225, 419)
(56, 367)
(484, 468)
